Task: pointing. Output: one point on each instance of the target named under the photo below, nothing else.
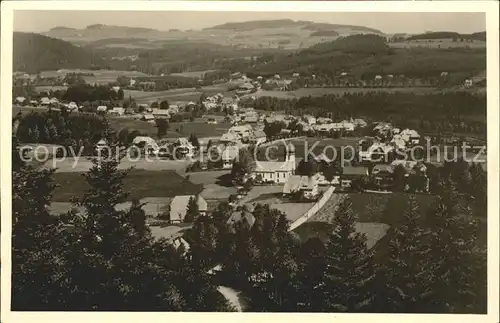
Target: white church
(276, 171)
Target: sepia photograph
(250, 161)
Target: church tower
(291, 157)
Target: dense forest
(78, 131)
(448, 34)
(35, 53)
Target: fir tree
(458, 263)
(192, 211)
(407, 267)
(349, 272)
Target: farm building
(148, 118)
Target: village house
(20, 100)
(360, 123)
(161, 113)
(148, 118)
(102, 109)
(149, 144)
(323, 120)
(276, 171)
(241, 132)
(72, 106)
(347, 125)
(229, 138)
(398, 142)
(45, 101)
(309, 119)
(245, 88)
(179, 204)
(119, 111)
(350, 174)
(410, 136)
(307, 186)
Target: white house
(161, 113)
(148, 143)
(229, 138)
(347, 126)
(242, 131)
(148, 118)
(310, 119)
(398, 142)
(179, 204)
(360, 123)
(276, 171)
(45, 101)
(410, 136)
(102, 109)
(119, 111)
(20, 99)
(72, 106)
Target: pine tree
(349, 272)
(192, 211)
(407, 267)
(311, 262)
(458, 263)
(38, 241)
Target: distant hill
(255, 24)
(35, 52)
(317, 26)
(449, 35)
(98, 32)
(323, 33)
(281, 23)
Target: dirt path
(233, 297)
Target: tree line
(459, 112)
(79, 131)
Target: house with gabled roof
(276, 171)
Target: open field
(100, 76)
(194, 74)
(140, 183)
(184, 94)
(176, 130)
(83, 164)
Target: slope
(35, 52)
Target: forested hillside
(35, 52)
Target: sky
(415, 22)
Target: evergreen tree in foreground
(458, 263)
(407, 269)
(349, 273)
